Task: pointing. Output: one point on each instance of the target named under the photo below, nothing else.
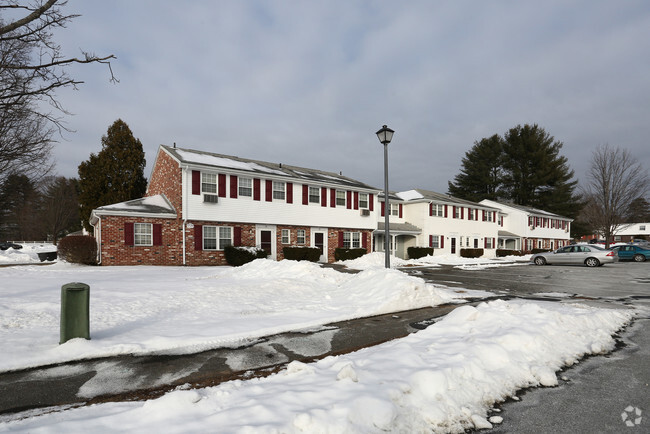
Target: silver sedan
(591, 256)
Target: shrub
(301, 253)
(471, 253)
(419, 252)
(506, 252)
(343, 254)
(78, 249)
(237, 256)
(534, 251)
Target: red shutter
(445, 211)
(484, 217)
(340, 238)
(305, 194)
(494, 216)
(289, 192)
(453, 214)
(430, 240)
(221, 190)
(256, 189)
(430, 210)
(269, 190)
(383, 209)
(333, 197)
(128, 234)
(237, 236)
(233, 186)
(485, 243)
(371, 202)
(462, 213)
(198, 237)
(400, 210)
(364, 240)
(349, 204)
(323, 196)
(157, 234)
(356, 200)
(442, 241)
(494, 244)
(196, 182)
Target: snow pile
(27, 255)
(376, 260)
(143, 309)
(443, 379)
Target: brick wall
(166, 178)
(214, 257)
(114, 250)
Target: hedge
(237, 256)
(471, 253)
(342, 254)
(78, 249)
(301, 253)
(506, 252)
(419, 252)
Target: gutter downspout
(98, 231)
(184, 212)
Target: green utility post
(75, 311)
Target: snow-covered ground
(445, 378)
(27, 255)
(376, 260)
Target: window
(246, 187)
(476, 243)
(340, 198)
(488, 216)
(642, 228)
(278, 190)
(488, 243)
(314, 195)
(300, 236)
(470, 213)
(142, 234)
(456, 212)
(437, 210)
(435, 241)
(363, 200)
(209, 182)
(351, 240)
(210, 240)
(286, 236)
(394, 209)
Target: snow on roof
(157, 204)
(410, 195)
(213, 160)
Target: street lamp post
(385, 135)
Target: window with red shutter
(157, 234)
(233, 186)
(128, 234)
(198, 237)
(196, 182)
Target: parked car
(7, 244)
(589, 255)
(633, 251)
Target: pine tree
(114, 175)
(481, 172)
(535, 174)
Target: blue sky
(308, 83)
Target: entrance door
(453, 246)
(266, 244)
(319, 241)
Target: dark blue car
(633, 252)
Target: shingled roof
(259, 168)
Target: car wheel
(540, 261)
(639, 258)
(592, 262)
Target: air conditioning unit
(365, 212)
(210, 198)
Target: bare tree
(32, 69)
(59, 207)
(614, 181)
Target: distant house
(198, 203)
(628, 232)
(525, 228)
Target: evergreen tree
(114, 175)
(60, 207)
(481, 171)
(639, 211)
(535, 174)
(19, 204)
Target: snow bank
(27, 255)
(443, 379)
(376, 260)
(179, 310)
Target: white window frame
(301, 236)
(438, 210)
(225, 237)
(142, 234)
(285, 236)
(314, 194)
(279, 190)
(363, 200)
(245, 187)
(351, 240)
(435, 241)
(488, 243)
(340, 198)
(394, 209)
(456, 211)
(218, 237)
(208, 182)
